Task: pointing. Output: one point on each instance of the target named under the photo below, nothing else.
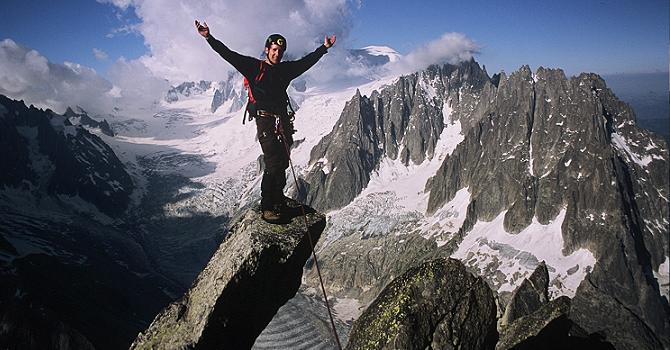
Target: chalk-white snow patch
(408, 182)
(392, 54)
(447, 220)
(621, 143)
(506, 259)
(663, 277)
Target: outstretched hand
(328, 42)
(203, 29)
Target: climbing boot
(271, 216)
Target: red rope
(311, 242)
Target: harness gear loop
(309, 236)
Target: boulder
(549, 327)
(437, 305)
(599, 312)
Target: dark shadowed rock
(550, 327)
(46, 155)
(352, 148)
(438, 305)
(598, 312)
(548, 143)
(33, 328)
(252, 274)
(82, 118)
(530, 296)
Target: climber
(267, 82)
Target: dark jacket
(268, 83)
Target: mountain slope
(51, 157)
(65, 256)
(549, 168)
(500, 172)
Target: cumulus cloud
(27, 75)
(449, 48)
(178, 53)
(99, 54)
(136, 88)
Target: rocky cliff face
(187, 89)
(530, 296)
(254, 272)
(82, 118)
(532, 321)
(543, 167)
(48, 156)
(550, 144)
(540, 153)
(230, 91)
(403, 121)
(65, 256)
(551, 326)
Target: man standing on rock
(267, 81)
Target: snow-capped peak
(374, 56)
(373, 50)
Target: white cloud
(449, 48)
(136, 88)
(123, 30)
(122, 4)
(178, 53)
(27, 75)
(99, 54)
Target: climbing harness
(251, 101)
(311, 242)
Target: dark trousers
(276, 161)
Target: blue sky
(129, 51)
(69, 30)
(601, 36)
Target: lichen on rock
(436, 305)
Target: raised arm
(243, 64)
(296, 68)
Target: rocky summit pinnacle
(256, 269)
